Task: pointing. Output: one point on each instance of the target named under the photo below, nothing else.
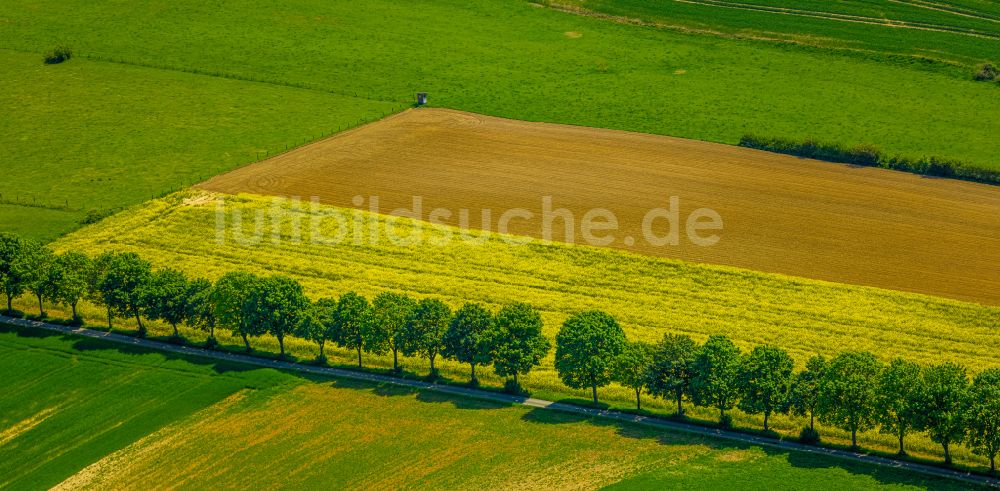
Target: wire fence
(36, 201)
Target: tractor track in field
(831, 16)
(948, 9)
(615, 415)
(858, 19)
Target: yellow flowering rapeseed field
(649, 296)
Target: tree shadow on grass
(664, 436)
(30, 333)
(88, 344)
(429, 396)
(795, 458)
(219, 366)
(588, 403)
(93, 345)
(460, 402)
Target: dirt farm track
(781, 214)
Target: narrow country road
(511, 399)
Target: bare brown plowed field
(781, 214)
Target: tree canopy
(803, 396)
(586, 346)
(765, 377)
(276, 304)
(39, 272)
(73, 275)
(392, 312)
(229, 297)
(467, 339)
(199, 311)
(317, 324)
(983, 415)
(715, 375)
(631, 368)
(164, 297)
(425, 330)
(123, 284)
(11, 270)
(353, 326)
(940, 405)
(670, 372)
(899, 387)
(848, 393)
(517, 341)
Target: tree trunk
(812, 421)
(321, 344)
(767, 416)
(472, 377)
(176, 333)
(359, 356)
(395, 359)
(73, 305)
(41, 311)
(432, 357)
(138, 320)
(993, 464)
(638, 399)
(515, 380)
(281, 346)
(947, 454)
(246, 342)
(902, 451)
(110, 316)
(854, 438)
(593, 389)
(680, 408)
(10, 303)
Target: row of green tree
(853, 391)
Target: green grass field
(91, 414)
(513, 59)
(649, 296)
(859, 27)
(89, 134)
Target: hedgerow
(869, 155)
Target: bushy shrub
(942, 168)
(988, 73)
(808, 436)
(865, 154)
(58, 55)
(94, 216)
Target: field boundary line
(611, 414)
